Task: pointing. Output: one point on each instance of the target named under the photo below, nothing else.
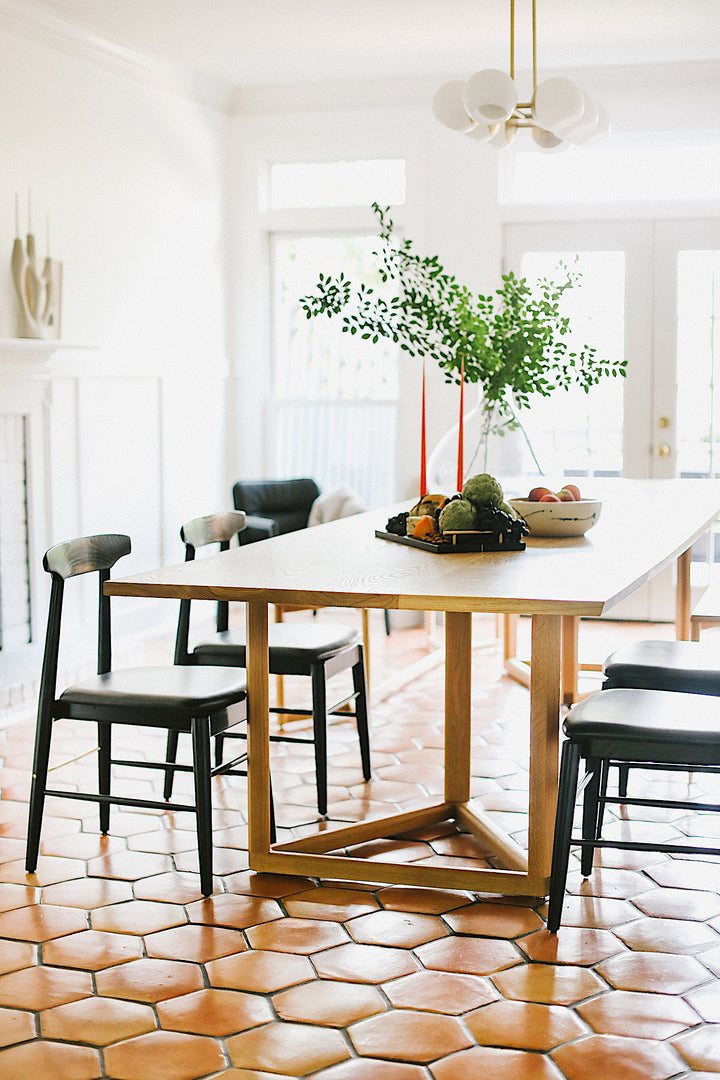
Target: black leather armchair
(274, 506)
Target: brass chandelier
(486, 107)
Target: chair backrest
(216, 528)
(212, 529)
(84, 555)
(287, 502)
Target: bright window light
(297, 184)
(620, 170)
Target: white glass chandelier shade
(448, 106)
(490, 96)
(558, 105)
(482, 132)
(548, 141)
(588, 123)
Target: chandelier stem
(534, 48)
(512, 39)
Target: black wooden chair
(687, 667)
(201, 701)
(318, 650)
(658, 729)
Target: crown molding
(31, 20)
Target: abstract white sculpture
(39, 290)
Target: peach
(574, 491)
(537, 493)
(564, 495)
(550, 498)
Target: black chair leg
(203, 809)
(319, 710)
(219, 745)
(37, 791)
(623, 780)
(590, 819)
(104, 770)
(361, 715)
(567, 792)
(170, 759)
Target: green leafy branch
(513, 343)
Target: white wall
(451, 210)
(130, 171)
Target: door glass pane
(334, 395)
(574, 433)
(698, 357)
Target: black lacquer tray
(458, 542)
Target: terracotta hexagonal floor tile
(287, 1048)
(571, 945)
(41, 922)
(602, 912)
(49, 870)
(467, 955)
(165, 842)
(607, 881)
(668, 935)
(173, 888)
(608, 1057)
(137, 917)
(550, 984)
(98, 1021)
(498, 1064)
(364, 963)
(494, 920)
(706, 1002)
(164, 1055)
(260, 971)
(16, 1026)
(81, 845)
(273, 886)
(302, 936)
(129, 865)
(678, 904)
(87, 893)
(214, 1012)
(368, 1069)
(660, 973)
(45, 1060)
(16, 954)
(402, 929)
(234, 910)
(644, 1016)
(421, 900)
(685, 874)
(43, 987)
(91, 950)
(330, 1003)
(194, 942)
(331, 903)
(524, 1025)
(409, 1035)
(15, 896)
(440, 991)
(701, 1048)
(149, 980)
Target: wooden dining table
(644, 527)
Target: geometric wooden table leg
(682, 596)
(258, 733)
(544, 741)
(570, 666)
(458, 672)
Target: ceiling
(253, 43)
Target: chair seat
(689, 666)
(654, 716)
(306, 643)
(192, 691)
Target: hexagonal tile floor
(113, 966)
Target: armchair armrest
(258, 528)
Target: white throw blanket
(336, 504)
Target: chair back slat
(86, 554)
(213, 528)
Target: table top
(644, 525)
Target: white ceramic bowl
(558, 518)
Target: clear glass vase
(500, 454)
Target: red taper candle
(460, 426)
(423, 453)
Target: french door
(649, 292)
